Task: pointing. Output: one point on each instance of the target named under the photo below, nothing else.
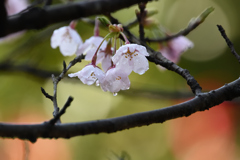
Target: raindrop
(97, 83)
(114, 93)
(89, 82)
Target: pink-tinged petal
(67, 39)
(140, 64)
(142, 50)
(181, 44)
(119, 53)
(91, 45)
(99, 74)
(74, 74)
(85, 75)
(115, 80)
(125, 65)
(89, 74)
(118, 85)
(131, 47)
(90, 53)
(131, 57)
(15, 6)
(106, 63)
(75, 36)
(174, 49)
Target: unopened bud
(115, 28)
(201, 17)
(104, 21)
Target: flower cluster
(117, 63)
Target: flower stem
(96, 28)
(94, 59)
(125, 38)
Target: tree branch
(56, 80)
(229, 43)
(68, 130)
(37, 18)
(62, 111)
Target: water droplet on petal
(89, 82)
(97, 83)
(114, 93)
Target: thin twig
(46, 94)
(229, 43)
(62, 111)
(72, 63)
(141, 17)
(56, 80)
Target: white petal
(87, 75)
(140, 64)
(75, 36)
(115, 80)
(57, 36)
(99, 74)
(74, 74)
(142, 50)
(68, 47)
(106, 63)
(119, 53)
(90, 53)
(91, 43)
(131, 47)
(181, 44)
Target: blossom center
(118, 78)
(67, 35)
(130, 54)
(93, 75)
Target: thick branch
(37, 18)
(46, 130)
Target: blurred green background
(207, 135)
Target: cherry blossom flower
(89, 74)
(115, 80)
(132, 57)
(67, 39)
(175, 48)
(90, 46)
